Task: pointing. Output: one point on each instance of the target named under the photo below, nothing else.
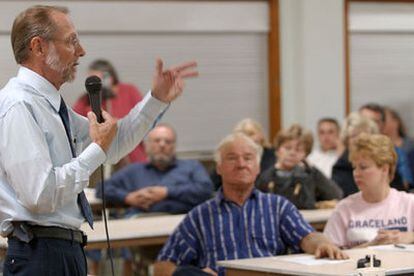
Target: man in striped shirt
(240, 222)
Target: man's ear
(218, 169)
(38, 47)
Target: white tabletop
(395, 262)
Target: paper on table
(311, 260)
(392, 247)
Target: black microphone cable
(108, 242)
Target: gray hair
(162, 125)
(230, 139)
(35, 21)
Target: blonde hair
(249, 126)
(294, 132)
(356, 121)
(377, 147)
(230, 139)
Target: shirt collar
(41, 85)
(221, 199)
(172, 165)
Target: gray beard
(162, 162)
(54, 63)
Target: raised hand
(169, 84)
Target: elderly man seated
(164, 184)
(240, 222)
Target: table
(317, 218)
(394, 262)
(155, 230)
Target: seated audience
(377, 113)
(254, 130)
(354, 125)
(240, 222)
(118, 99)
(377, 214)
(293, 178)
(164, 183)
(395, 129)
(330, 146)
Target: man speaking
(47, 151)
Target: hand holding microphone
(102, 126)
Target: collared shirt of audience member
(164, 183)
(41, 177)
(254, 130)
(377, 214)
(118, 99)
(396, 130)
(330, 146)
(240, 222)
(377, 113)
(292, 177)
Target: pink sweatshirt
(356, 221)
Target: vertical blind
(382, 56)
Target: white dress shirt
(323, 160)
(39, 179)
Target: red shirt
(126, 98)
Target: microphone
(93, 85)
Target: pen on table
(399, 246)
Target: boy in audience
(292, 177)
(330, 146)
(267, 224)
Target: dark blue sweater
(187, 182)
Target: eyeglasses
(72, 41)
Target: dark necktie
(82, 200)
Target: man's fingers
(338, 255)
(92, 117)
(190, 74)
(184, 66)
(318, 253)
(158, 66)
(106, 116)
(330, 252)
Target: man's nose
(241, 162)
(80, 51)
